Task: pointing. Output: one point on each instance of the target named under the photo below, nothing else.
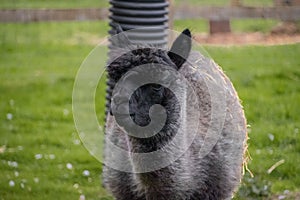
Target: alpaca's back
(221, 168)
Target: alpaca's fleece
(213, 177)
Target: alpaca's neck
(158, 181)
(156, 142)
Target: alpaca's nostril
(132, 116)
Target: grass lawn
(237, 25)
(72, 33)
(41, 156)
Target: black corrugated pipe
(149, 17)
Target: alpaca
(214, 176)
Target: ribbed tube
(149, 17)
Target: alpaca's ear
(120, 38)
(181, 48)
(117, 27)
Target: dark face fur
(148, 95)
(143, 99)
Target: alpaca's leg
(121, 185)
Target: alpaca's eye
(156, 87)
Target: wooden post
(219, 26)
(223, 25)
(171, 14)
(171, 21)
(236, 3)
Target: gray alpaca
(214, 176)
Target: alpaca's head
(147, 95)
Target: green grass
(92, 32)
(36, 88)
(70, 33)
(37, 70)
(38, 64)
(237, 25)
(74, 33)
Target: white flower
(66, 112)
(12, 164)
(76, 142)
(280, 197)
(86, 173)
(76, 185)
(52, 156)
(9, 116)
(11, 183)
(20, 148)
(38, 156)
(36, 180)
(286, 191)
(16, 174)
(69, 166)
(82, 197)
(271, 136)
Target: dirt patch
(283, 33)
(289, 28)
(257, 38)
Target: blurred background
(43, 43)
